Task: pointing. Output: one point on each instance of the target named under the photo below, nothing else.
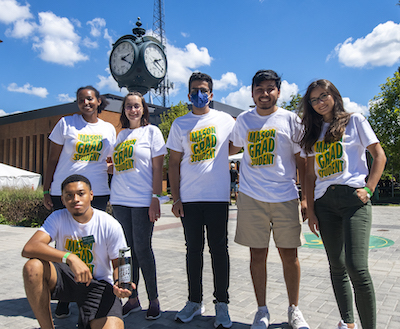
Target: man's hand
(303, 207)
(122, 293)
(80, 269)
(47, 201)
(313, 223)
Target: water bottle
(125, 269)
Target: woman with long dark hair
(338, 195)
(135, 190)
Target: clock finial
(138, 31)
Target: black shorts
(94, 301)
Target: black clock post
(138, 62)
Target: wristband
(368, 191)
(176, 202)
(115, 281)
(156, 196)
(46, 192)
(64, 259)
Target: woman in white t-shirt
(80, 144)
(335, 142)
(135, 188)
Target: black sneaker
(62, 310)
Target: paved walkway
(316, 297)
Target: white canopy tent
(236, 157)
(19, 178)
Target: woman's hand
(47, 201)
(362, 195)
(154, 210)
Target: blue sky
(51, 48)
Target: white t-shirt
(343, 162)
(132, 183)
(96, 242)
(86, 147)
(204, 142)
(268, 168)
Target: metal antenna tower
(159, 32)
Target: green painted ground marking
(374, 242)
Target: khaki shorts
(256, 219)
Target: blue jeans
(138, 232)
(214, 217)
(345, 225)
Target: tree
(166, 122)
(293, 103)
(385, 119)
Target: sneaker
(190, 310)
(128, 308)
(343, 325)
(153, 312)
(296, 319)
(222, 316)
(62, 310)
(261, 319)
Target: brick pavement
(316, 296)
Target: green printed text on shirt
(88, 148)
(203, 143)
(261, 146)
(83, 250)
(328, 157)
(122, 156)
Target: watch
(155, 61)
(122, 58)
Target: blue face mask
(199, 100)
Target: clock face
(155, 61)
(122, 58)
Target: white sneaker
(296, 319)
(261, 319)
(222, 316)
(343, 325)
(190, 310)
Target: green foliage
(166, 121)
(22, 207)
(293, 103)
(385, 119)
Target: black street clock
(138, 62)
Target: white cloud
(21, 29)
(227, 79)
(65, 98)
(182, 62)
(379, 48)
(89, 43)
(109, 39)
(185, 35)
(28, 89)
(353, 107)
(109, 83)
(58, 42)
(3, 113)
(96, 25)
(287, 91)
(243, 100)
(11, 11)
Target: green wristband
(64, 259)
(368, 191)
(46, 192)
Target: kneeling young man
(84, 264)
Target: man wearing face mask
(199, 179)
